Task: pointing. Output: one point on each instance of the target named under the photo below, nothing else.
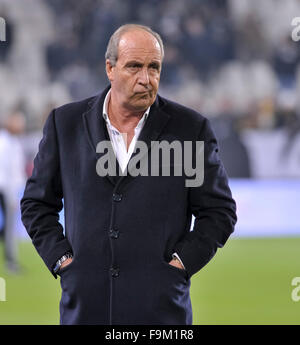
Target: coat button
(115, 272)
(113, 233)
(117, 197)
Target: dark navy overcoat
(123, 230)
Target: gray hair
(113, 44)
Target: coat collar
(96, 131)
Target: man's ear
(109, 70)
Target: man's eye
(134, 67)
(154, 66)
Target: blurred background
(233, 61)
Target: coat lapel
(96, 131)
(95, 128)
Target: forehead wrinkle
(140, 55)
(139, 52)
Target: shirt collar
(105, 112)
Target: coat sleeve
(213, 207)
(42, 200)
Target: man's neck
(123, 119)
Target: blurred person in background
(12, 180)
(127, 253)
(285, 62)
(233, 152)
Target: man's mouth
(144, 93)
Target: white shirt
(118, 139)
(119, 144)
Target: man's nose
(144, 76)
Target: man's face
(135, 77)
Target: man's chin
(142, 104)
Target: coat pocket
(179, 271)
(66, 268)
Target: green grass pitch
(247, 282)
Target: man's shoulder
(75, 108)
(181, 112)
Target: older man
(126, 254)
